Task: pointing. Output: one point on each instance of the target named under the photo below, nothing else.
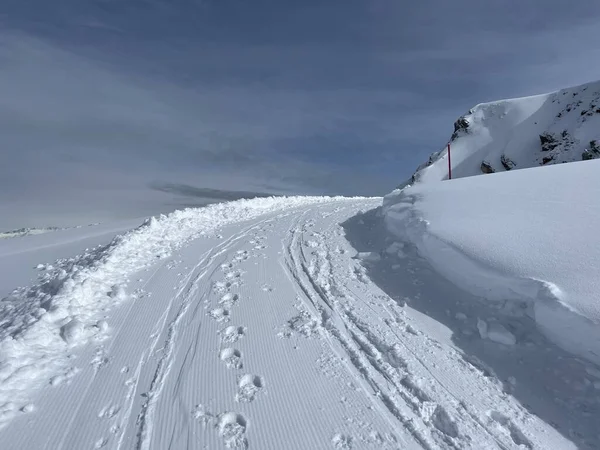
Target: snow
(309, 348)
(68, 304)
(523, 236)
(22, 258)
(506, 134)
(495, 332)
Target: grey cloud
(263, 95)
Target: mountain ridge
(511, 134)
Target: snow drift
(526, 239)
(554, 128)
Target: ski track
(272, 338)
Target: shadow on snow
(545, 379)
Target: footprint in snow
(220, 287)
(228, 300)
(232, 334)
(219, 314)
(513, 430)
(232, 428)
(204, 416)
(232, 358)
(108, 412)
(233, 275)
(342, 442)
(101, 443)
(248, 387)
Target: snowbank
(527, 236)
(521, 133)
(39, 324)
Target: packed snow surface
(527, 236)
(277, 323)
(71, 297)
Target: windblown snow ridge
(524, 240)
(39, 324)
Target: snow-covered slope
(518, 250)
(555, 128)
(527, 240)
(256, 324)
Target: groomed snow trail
(265, 334)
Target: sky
(101, 101)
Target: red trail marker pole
(449, 163)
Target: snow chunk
(102, 326)
(369, 256)
(72, 332)
(28, 408)
(498, 333)
(118, 293)
(394, 248)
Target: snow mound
(39, 324)
(547, 129)
(528, 237)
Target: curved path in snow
(267, 333)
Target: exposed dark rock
(547, 159)
(587, 155)
(592, 152)
(486, 167)
(507, 162)
(460, 126)
(548, 141)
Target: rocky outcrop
(486, 167)
(461, 126)
(587, 155)
(592, 152)
(548, 141)
(507, 162)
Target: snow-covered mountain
(522, 243)
(559, 127)
(466, 319)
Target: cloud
(304, 97)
